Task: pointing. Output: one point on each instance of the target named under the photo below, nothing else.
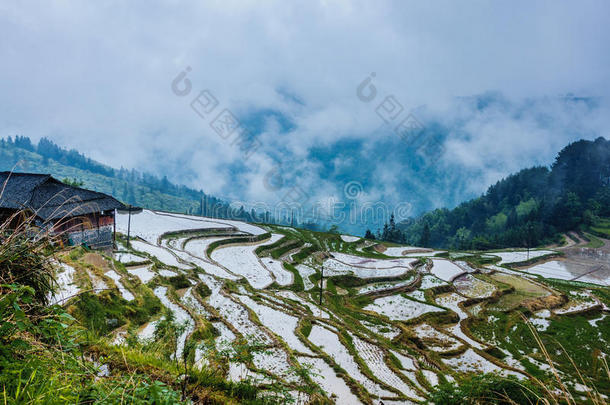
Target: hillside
(129, 186)
(529, 208)
(218, 311)
(397, 323)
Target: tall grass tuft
(494, 389)
(563, 394)
(25, 256)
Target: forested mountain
(130, 186)
(528, 208)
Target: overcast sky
(97, 76)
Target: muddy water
(580, 264)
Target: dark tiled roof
(49, 198)
(17, 191)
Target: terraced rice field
(400, 308)
(389, 329)
(521, 256)
(472, 287)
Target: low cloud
(97, 77)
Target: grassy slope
(573, 335)
(154, 360)
(601, 228)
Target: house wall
(97, 238)
(94, 230)
(83, 222)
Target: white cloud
(96, 76)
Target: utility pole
(128, 224)
(529, 238)
(114, 228)
(321, 282)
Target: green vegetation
(163, 369)
(105, 311)
(42, 347)
(601, 227)
(129, 186)
(522, 290)
(297, 284)
(52, 354)
(486, 389)
(573, 344)
(203, 290)
(236, 240)
(73, 182)
(594, 242)
(529, 208)
(179, 281)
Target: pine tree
(131, 198)
(386, 232)
(425, 236)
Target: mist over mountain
(121, 84)
(358, 182)
(527, 208)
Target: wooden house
(78, 215)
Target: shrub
(24, 260)
(203, 290)
(179, 281)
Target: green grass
(236, 240)
(105, 311)
(297, 284)
(572, 335)
(178, 281)
(594, 242)
(601, 228)
(523, 290)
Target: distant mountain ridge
(524, 209)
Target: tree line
(141, 189)
(526, 209)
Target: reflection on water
(582, 264)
